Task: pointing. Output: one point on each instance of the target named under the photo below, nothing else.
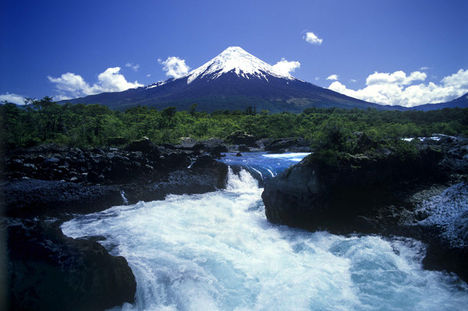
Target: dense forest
(44, 121)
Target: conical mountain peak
(233, 80)
(235, 59)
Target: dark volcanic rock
(204, 175)
(143, 145)
(48, 271)
(212, 146)
(242, 138)
(316, 195)
(371, 194)
(45, 197)
(92, 180)
(287, 145)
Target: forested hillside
(44, 121)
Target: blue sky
(41, 39)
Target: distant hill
(460, 102)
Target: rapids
(217, 251)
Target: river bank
(47, 185)
(422, 196)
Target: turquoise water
(216, 251)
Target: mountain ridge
(459, 102)
(233, 80)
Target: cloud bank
(174, 67)
(311, 38)
(70, 85)
(399, 88)
(12, 98)
(285, 68)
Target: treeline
(44, 121)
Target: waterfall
(216, 251)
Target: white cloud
(398, 77)
(311, 38)
(71, 85)
(398, 88)
(353, 80)
(61, 97)
(457, 80)
(112, 81)
(12, 98)
(135, 67)
(174, 67)
(332, 77)
(424, 68)
(148, 75)
(285, 68)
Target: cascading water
(216, 251)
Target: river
(217, 251)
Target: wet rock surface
(286, 145)
(49, 271)
(47, 185)
(382, 194)
(52, 178)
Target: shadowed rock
(372, 193)
(48, 271)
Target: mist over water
(217, 251)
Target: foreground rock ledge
(375, 194)
(47, 185)
(49, 271)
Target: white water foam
(216, 251)
(447, 211)
(293, 156)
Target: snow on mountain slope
(235, 59)
(233, 80)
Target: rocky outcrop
(318, 195)
(287, 145)
(373, 193)
(49, 271)
(34, 197)
(242, 138)
(44, 185)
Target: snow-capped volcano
(233, 80)
(237, 60)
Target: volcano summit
(233, 80)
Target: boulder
(49, 271)
(213, 146)
(372, 193)
(242, 138)
(329, 193)
(81, 273)
(287, 145)
(204, 175)
(187, 143)
(144, 145)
